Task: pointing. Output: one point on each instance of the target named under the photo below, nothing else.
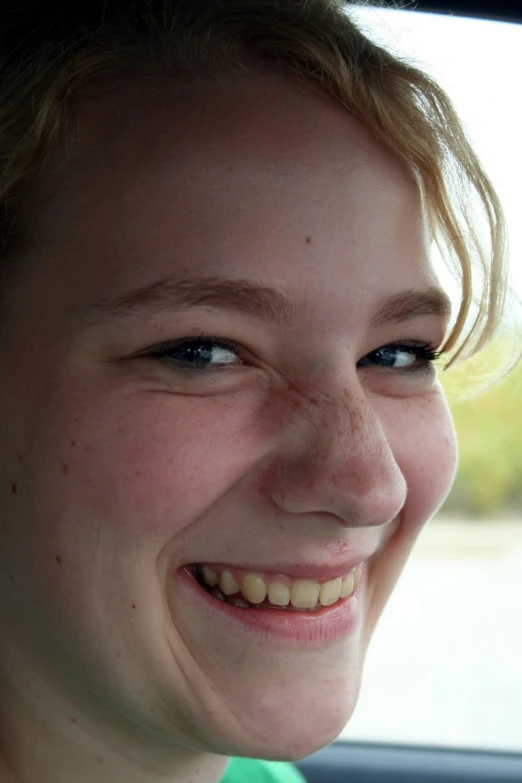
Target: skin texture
(117, 470)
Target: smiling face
(295, 452)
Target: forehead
(271, 127)
(258, 172)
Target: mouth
(258, 590)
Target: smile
(246, 589)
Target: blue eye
(197, 354)
(200, 355)
(402, 357)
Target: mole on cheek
(13, 487)
(309, 240)
(58, 559)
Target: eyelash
(424, 353)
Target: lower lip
(323, 626)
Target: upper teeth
(300, 593)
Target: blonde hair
(51, 54)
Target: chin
(299, 739)
(296, 728)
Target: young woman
(222, 429)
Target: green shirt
(241, 770)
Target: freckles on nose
(333, 429)
(336, 460)
(307, 405)
(345, 427)
(352, 420)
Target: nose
(334, 457)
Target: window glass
(444, 666)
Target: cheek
(427, 454)
(423, 440)
(154, 463)
(150, 462)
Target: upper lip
(319, 572)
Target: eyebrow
(251, 299)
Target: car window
(444, 664)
